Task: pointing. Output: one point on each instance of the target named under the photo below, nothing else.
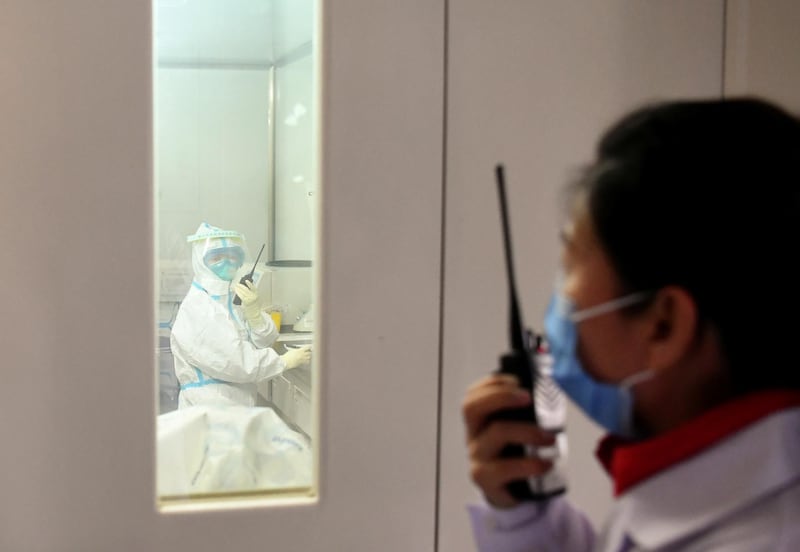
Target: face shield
(223, 252)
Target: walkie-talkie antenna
(255, 264)
(516, 333)
(521, 363)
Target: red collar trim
(630, 463)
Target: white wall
(77, 468)
(762, 47)
(212, 144)
(532, 84)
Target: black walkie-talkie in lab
(249, 276)
(521, 361)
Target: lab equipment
(521, 363)
(249, 276)
(306, 321)
(277, 317)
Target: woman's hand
(486, 438)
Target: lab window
(236, 189)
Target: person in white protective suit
(222, 350)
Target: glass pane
(235, 228)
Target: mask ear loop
(609, 306)
(625, 390)
(563, 304)
(636, 378)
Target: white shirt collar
(691, 496)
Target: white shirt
(742, 494)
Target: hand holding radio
(247, 279)
(508, 460)
(487, 436)
(248, 296)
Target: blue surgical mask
(610, 405)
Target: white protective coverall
(210, 449)
(219, 356)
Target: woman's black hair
(705, 195)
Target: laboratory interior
(264, 253)
(236, 188)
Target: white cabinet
(291, 394)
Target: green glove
(250, 303)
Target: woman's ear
(673, 327)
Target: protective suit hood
(206, 238)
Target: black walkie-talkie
(521, 362)
(249, 276)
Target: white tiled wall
(212, 141)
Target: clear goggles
(230, 256)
